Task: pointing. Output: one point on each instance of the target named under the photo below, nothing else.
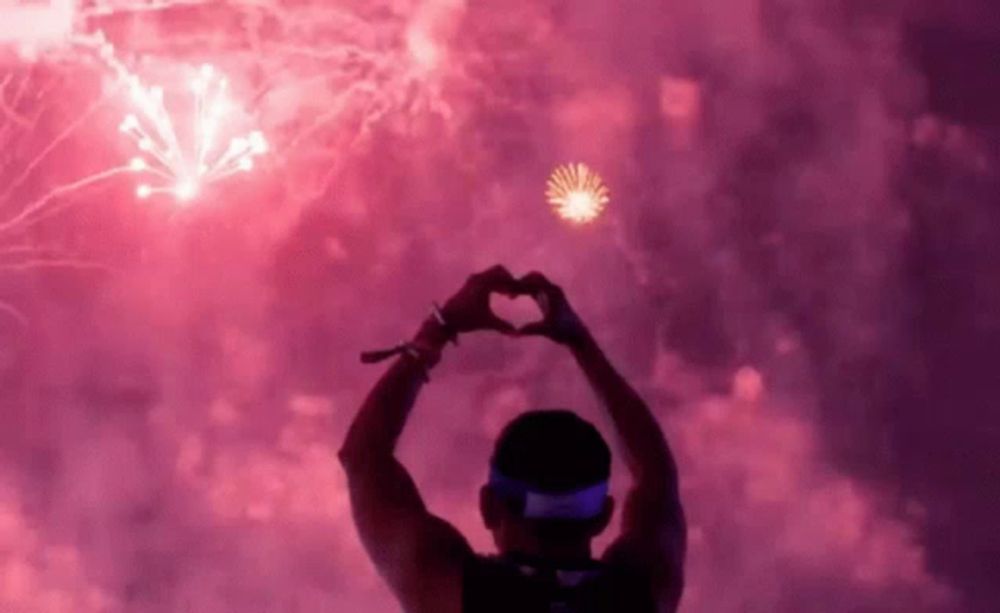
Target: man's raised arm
(420, 555)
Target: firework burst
(577, 193)
(182, 167)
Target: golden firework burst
(577, 193)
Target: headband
(585, 503)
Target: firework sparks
(577, 193)
(326, 95)
(33, 189)
(182, 167)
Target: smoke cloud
(797, 269)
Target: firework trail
(324, 77)
(17, 130)
(328, 76)
(27, 101)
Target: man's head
(548, 484)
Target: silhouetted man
(546, 497)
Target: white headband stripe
(585, 503)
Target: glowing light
(186, 190)
(188, 162)
(577, 193)
(257, 143)
(129, 123)
(37, 25)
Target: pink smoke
(176, 386)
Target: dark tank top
(517, 585)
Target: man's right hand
(559, 321)
(469, 309)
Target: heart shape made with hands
(518, 310)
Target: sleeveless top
(510, 584)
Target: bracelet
(450, 332)
(422, 356)
(380, 355)
(419, 351)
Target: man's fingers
(497, 279)
(495, 273)
(535, 281)
(533, 329)
(501, 325)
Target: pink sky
(175, 380)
